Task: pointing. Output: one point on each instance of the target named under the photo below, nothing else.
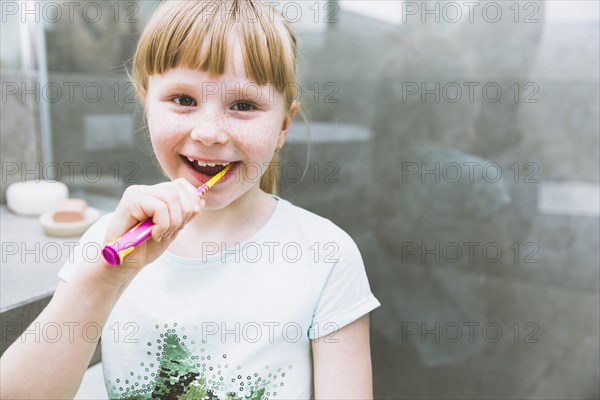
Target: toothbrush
(114, 253)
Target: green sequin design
(181, 377)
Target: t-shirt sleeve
(88, 248)
(346, 294)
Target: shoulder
(93, 237)
(313, 227)
(102, 223)
(95, 234)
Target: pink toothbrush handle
(114, 253)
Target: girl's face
(230, 119)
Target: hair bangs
(200, 35)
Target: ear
(287, 122)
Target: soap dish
(65, 229)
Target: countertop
(30, 258)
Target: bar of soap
(35, 197)
(71, 210)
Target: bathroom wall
(477, 218)
(19, 129)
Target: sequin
(177, 375)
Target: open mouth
(209, 169)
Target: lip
(203, 178)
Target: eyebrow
(184, 87)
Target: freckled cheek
(164, 136)
(256, 140)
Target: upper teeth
(206, 164)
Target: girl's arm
(38, 367)
(342, 363)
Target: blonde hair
(196, 34)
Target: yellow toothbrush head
(204, 188)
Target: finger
(130, 213)
(161, 219)
(158, 210)
(168, 239)
(196, 199)
(187, 200)
(171, 197)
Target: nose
(209, 129)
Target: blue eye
(185, 101)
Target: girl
(239, 295)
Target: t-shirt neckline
(220, 257)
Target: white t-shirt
(233, 324)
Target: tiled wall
(366, 61)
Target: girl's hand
(171, 205)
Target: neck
(238, 213)
(226, 226)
